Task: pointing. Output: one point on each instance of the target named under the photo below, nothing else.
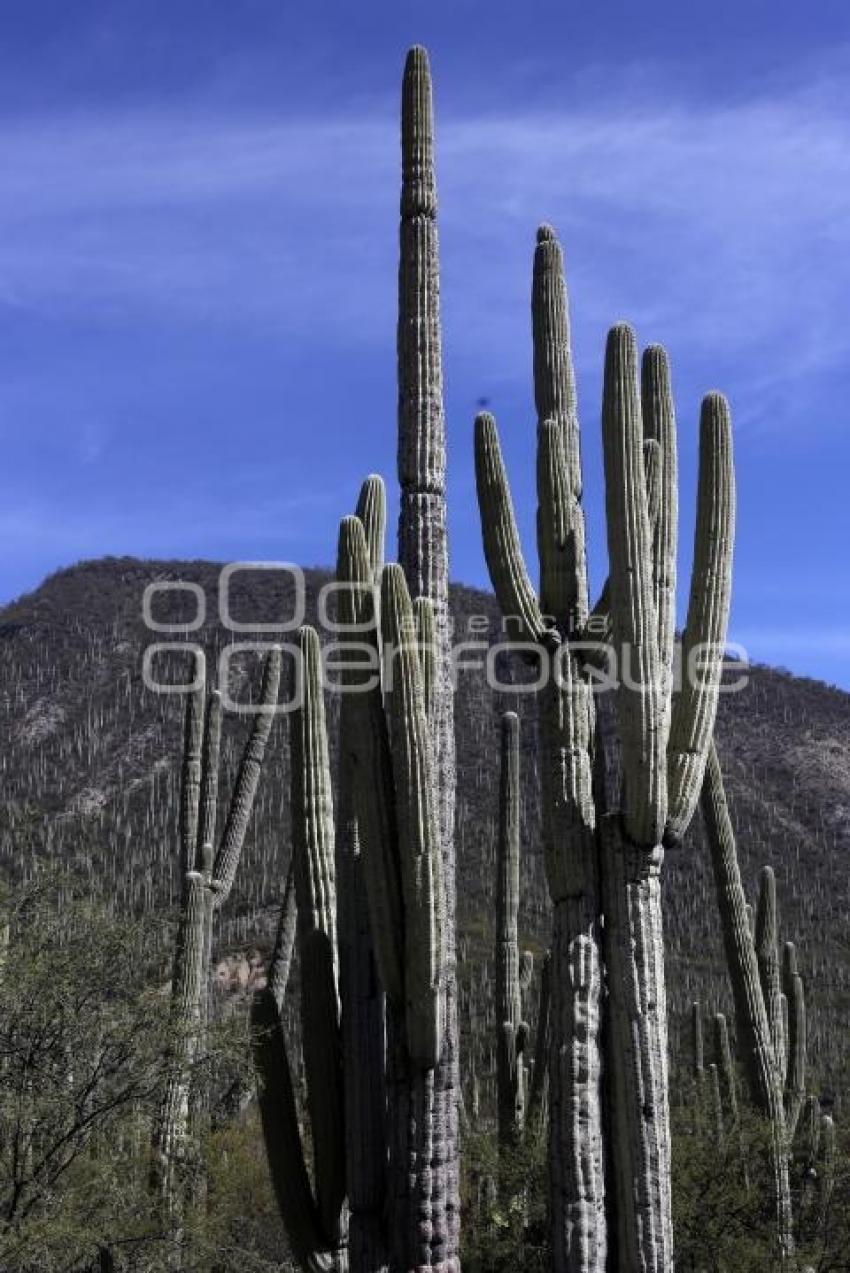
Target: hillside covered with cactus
(92, 775)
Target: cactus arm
(508, 995)
(247, 779)
(190, 793)
(277, 978)
(754, 1037)
(537, 1094)
(502, 551)
(767, 954)
(418, 834)
(426, 638)
(371, 765)
(695, 707)
(209, 777)
(315, 889)
(795, 1084)
(640, 699)
(560, 525)
(659, 425)
(372, 512)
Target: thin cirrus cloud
(734, 220)
(722, 230)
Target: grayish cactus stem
(509, 1059)
(795, 1083)
(640, 700)
(659, 426)
(538, 1095)
(754, 1033)
(314, 842)
(695, 707)
(425, 1108)
(426, 640)
(360, 559)
(418, 831)
(725, 1065)
(366, 739)
(372, 512)
(767, 953)
(560, 526)
(313, 1218)
(637, 1029)
(171, 1142)
(508, 574)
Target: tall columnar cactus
(512, 1033)
(774, 1058)
(604, 839)
(208, 877)
(428, 1118)
(312, 1213)
(389, 856)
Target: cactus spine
(207, 881)
(603, 842)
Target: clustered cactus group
(370, 900)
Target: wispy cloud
(733, 221)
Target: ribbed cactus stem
(418, 832)
(695, 706)
(201, 892)
(425, 1155)
(247, 779)
(366, 742)
(537, 1097)
(314, 843)
(372, 512)
(505, 562)
(508, 996)
(640, 693)
(426, 640)
(659, 426)
(767, 953)
(754, 1035)
(795, 1082)
(725, 1065)
(560, 526)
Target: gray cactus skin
(207, 881)
(604, 842)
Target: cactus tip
(546, 233)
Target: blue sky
(198, 211)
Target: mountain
(91, 760)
